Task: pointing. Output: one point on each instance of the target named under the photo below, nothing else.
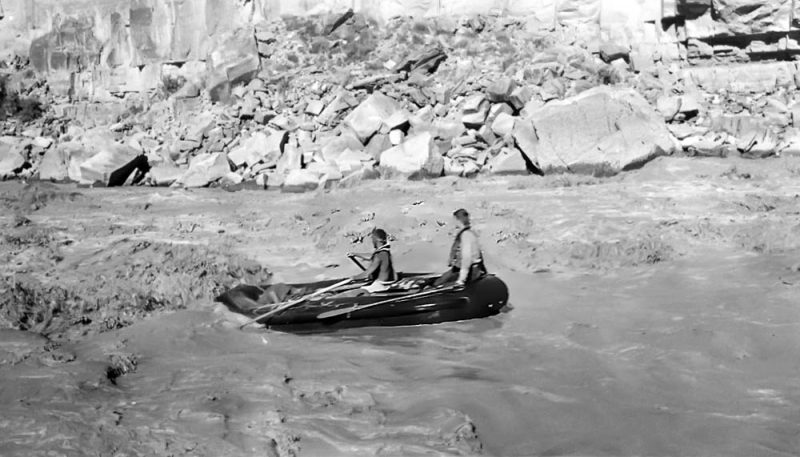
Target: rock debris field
(642, 205)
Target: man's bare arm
(467, 248)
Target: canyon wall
(95, 47)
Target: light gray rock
(508, 162)
(369, 116)
(205, 169)
(10, 157)
(503, 125)
(610, 129)
(418, 155)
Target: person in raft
(466, 259)
(381, 270)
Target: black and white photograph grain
(399, 228)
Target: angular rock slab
(205, 169)
(417, 156)
(368, 117)
(100, 166)
(53, 166)
(259, 148)
(301, 180)
(165, 175)
(10, 158)
(508, 162)
(601, 131)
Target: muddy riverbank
(654, 314)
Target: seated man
(466, 259)
(380, 271)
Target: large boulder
(249, 150)
(301, 180)
(508, 162)
(165, 174)
(601, 131)
(74, 153)
(342, 101)
(500, 90)
(350, 161)
(292, 159)
(328, 172)
(92, 158)
(259, 147)
(417, 156)
(369, 116)
(200, 127)
(672, 105)
(10, 158)
(377, 144)
(710, 144)
(54, 165)
(99, 167)
(205, 169)
(333, 147)
(503, 124)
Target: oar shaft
(297, 301)
(358, 264)
(341, 312)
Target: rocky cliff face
(304, 93)
(92, 47)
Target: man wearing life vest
(466, 260)
(381, 270)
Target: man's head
(378, 237)
(462, 218)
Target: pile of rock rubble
(306, 102)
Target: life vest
(386, 271)
(455, 250)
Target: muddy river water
(698, 358)
(673, 329)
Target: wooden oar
(357, 263)
(273, 305)
(289, 304)
(340, 312)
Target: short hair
(461, 213)
(379, 234)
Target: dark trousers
(476, 271)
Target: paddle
(289, 304)
(340, 312)
(353, 258)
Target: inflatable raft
(410, 301)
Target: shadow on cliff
(14, 106)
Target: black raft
(314, 307)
